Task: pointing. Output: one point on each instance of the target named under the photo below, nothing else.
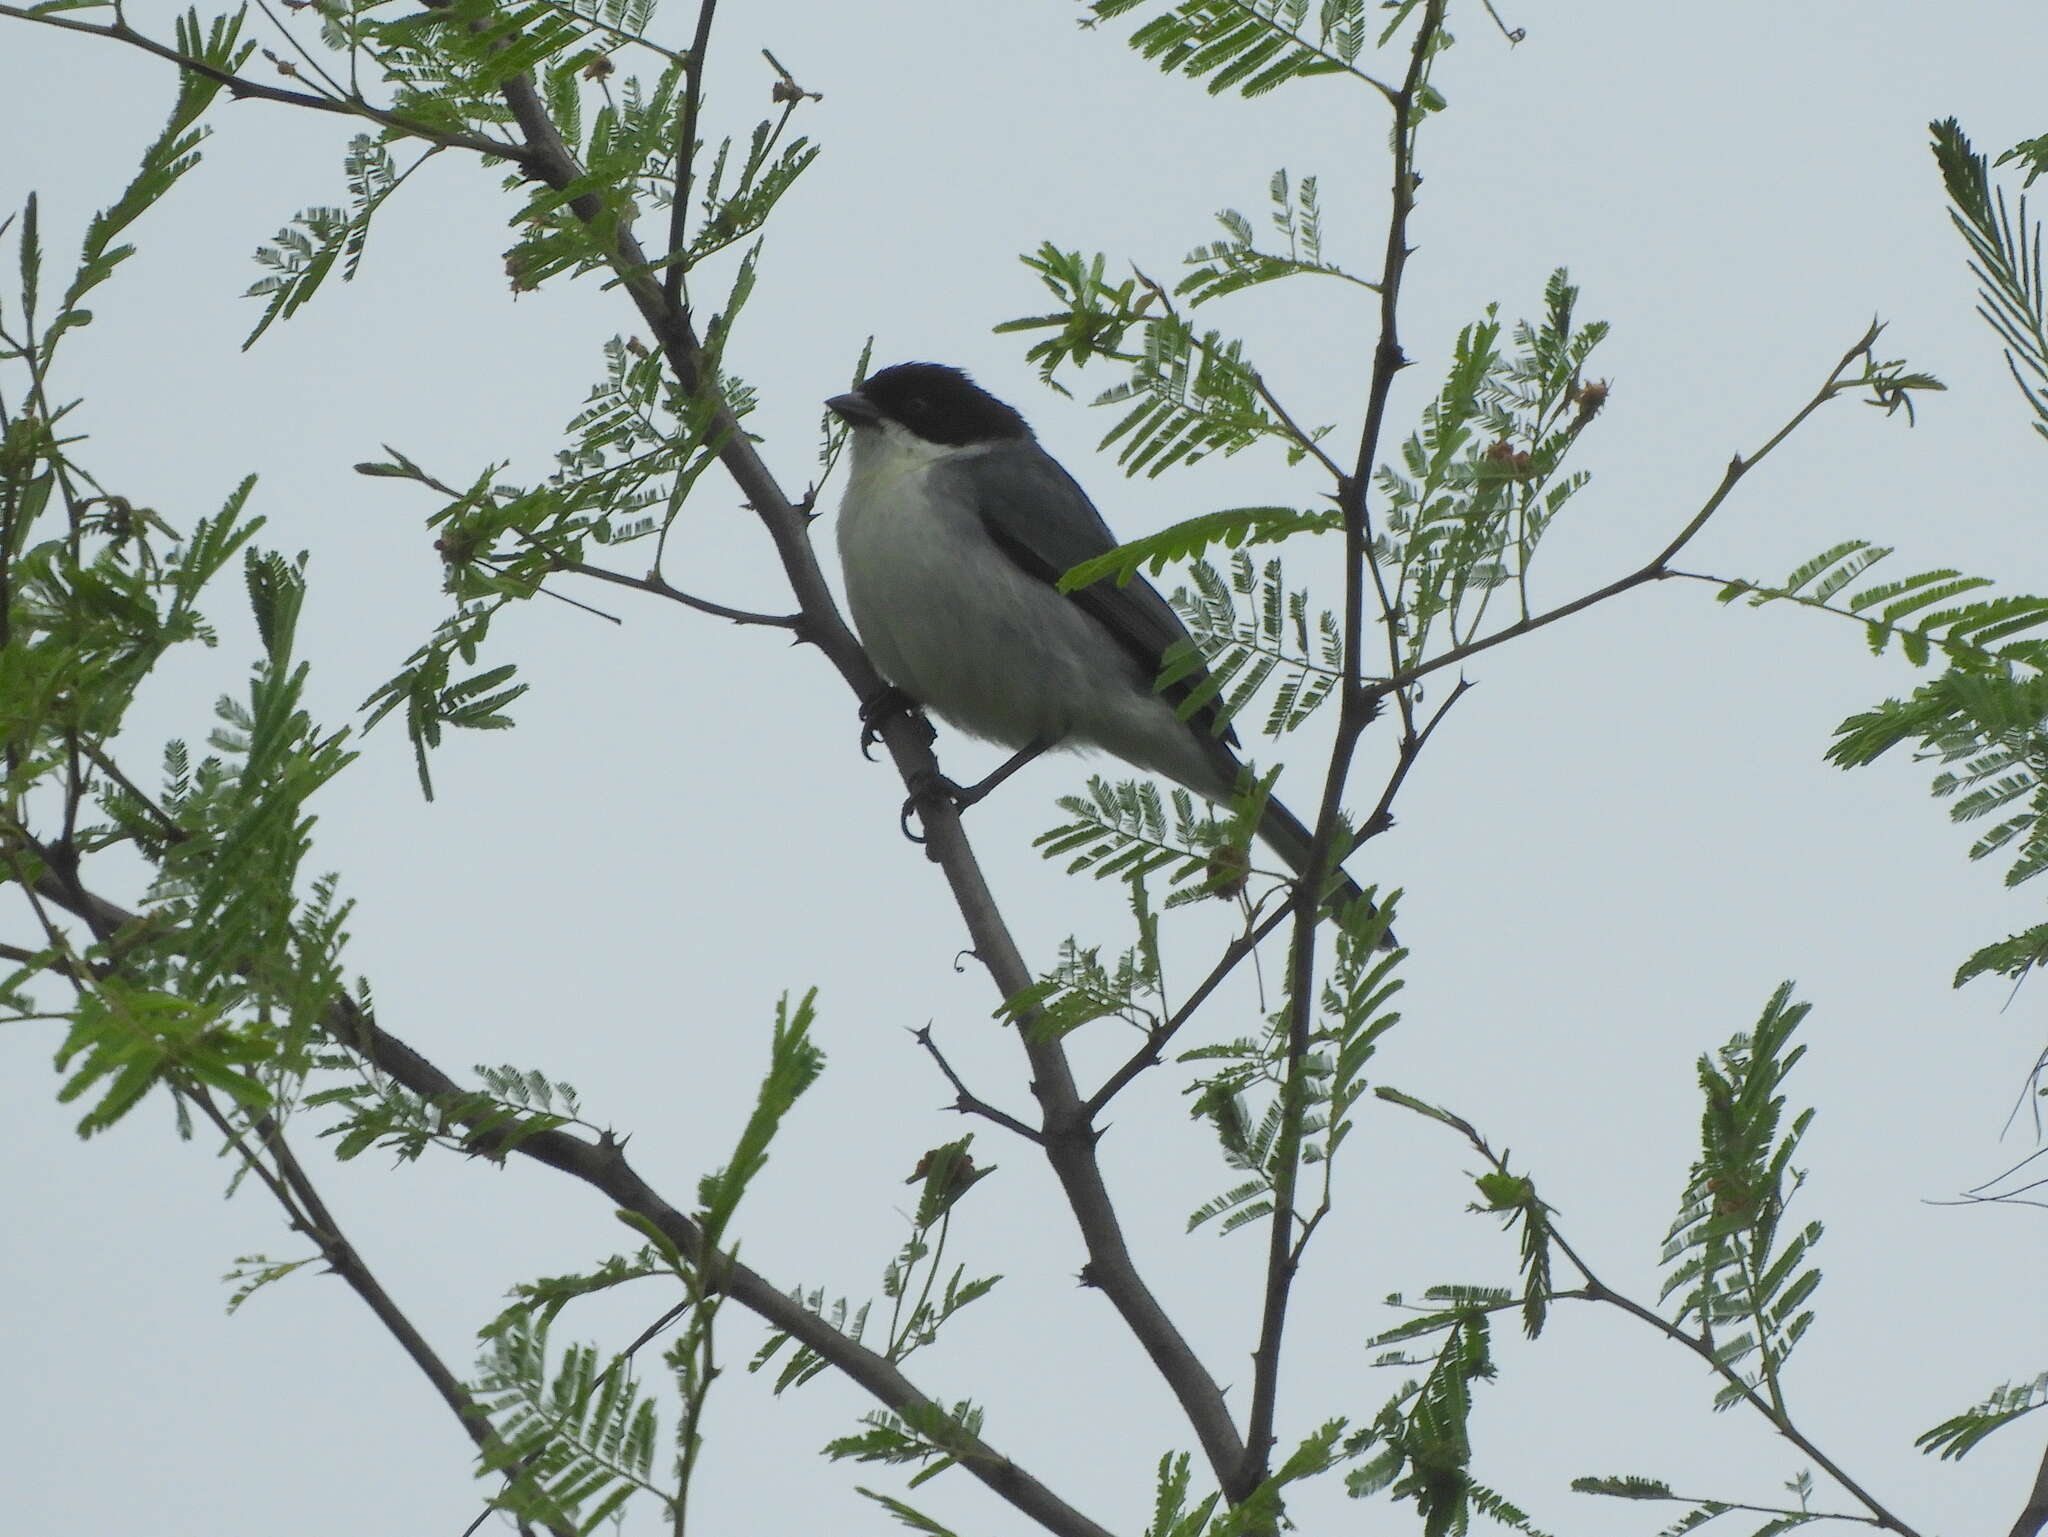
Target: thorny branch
(602, 1164)
(1067, 1137)
(1356, 708)
(243, 88)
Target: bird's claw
(875, 712)
(927, 787)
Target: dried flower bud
(1229, 868)
(1591, 397)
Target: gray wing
(1038, 516)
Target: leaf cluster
(1191, 393)
(1419, 1446)
(932, 1439)
(574, 1441)
(921, 1294)
(1122, 829)
(1244, 1084)
(1248, 46)
(1959, 1435)
(221, 982)
(1249, 627)
(1984, 719)
(1481, 480)
(1238, 262)
(2005, 257)
(1741, 1276)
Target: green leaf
(915, 1519)
(2005, 258)
(794, 1064)
(1960, 1435)
(1232, 527)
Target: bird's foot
(875, 711)
(929, 787)
(926, 788)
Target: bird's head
(933, 403)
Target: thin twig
(1597, 1290)
(686, 154)
(657, 584)
(165, 821)
(242, 87)
(295, 1191)
(1148, 1055)
(1308, 443)
(967, 1102)
(1657, 568)
(1355, 711)
(1410, 749)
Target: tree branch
(967, 1102)
(657, 585)
(295, 1192)
(686, 153)
(243, 88)
(1069, 1140)
(2035, 1516)
(602, 1164)
(1596, 1290)
(1147, 1055)
(1657, 567)
(1356, 709)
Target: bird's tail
(1286, 836)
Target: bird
(954, 527)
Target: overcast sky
(1620, 844)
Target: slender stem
(1147, 1055)
(1355, 711)
(1295, 431)
(1599, 1291)
(298, 48)
(1596, 1290)
(931, 1263)
(968, 1103)
(1658, 566)
(686, 153)
(244, 88)
(295, 1191)
(165, 821)
(657, 585)
(1764, 1510)
(690, 1434)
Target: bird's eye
(918, 405)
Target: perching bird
(953, 530)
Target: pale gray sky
(1619, 845)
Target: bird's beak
(854, 409)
